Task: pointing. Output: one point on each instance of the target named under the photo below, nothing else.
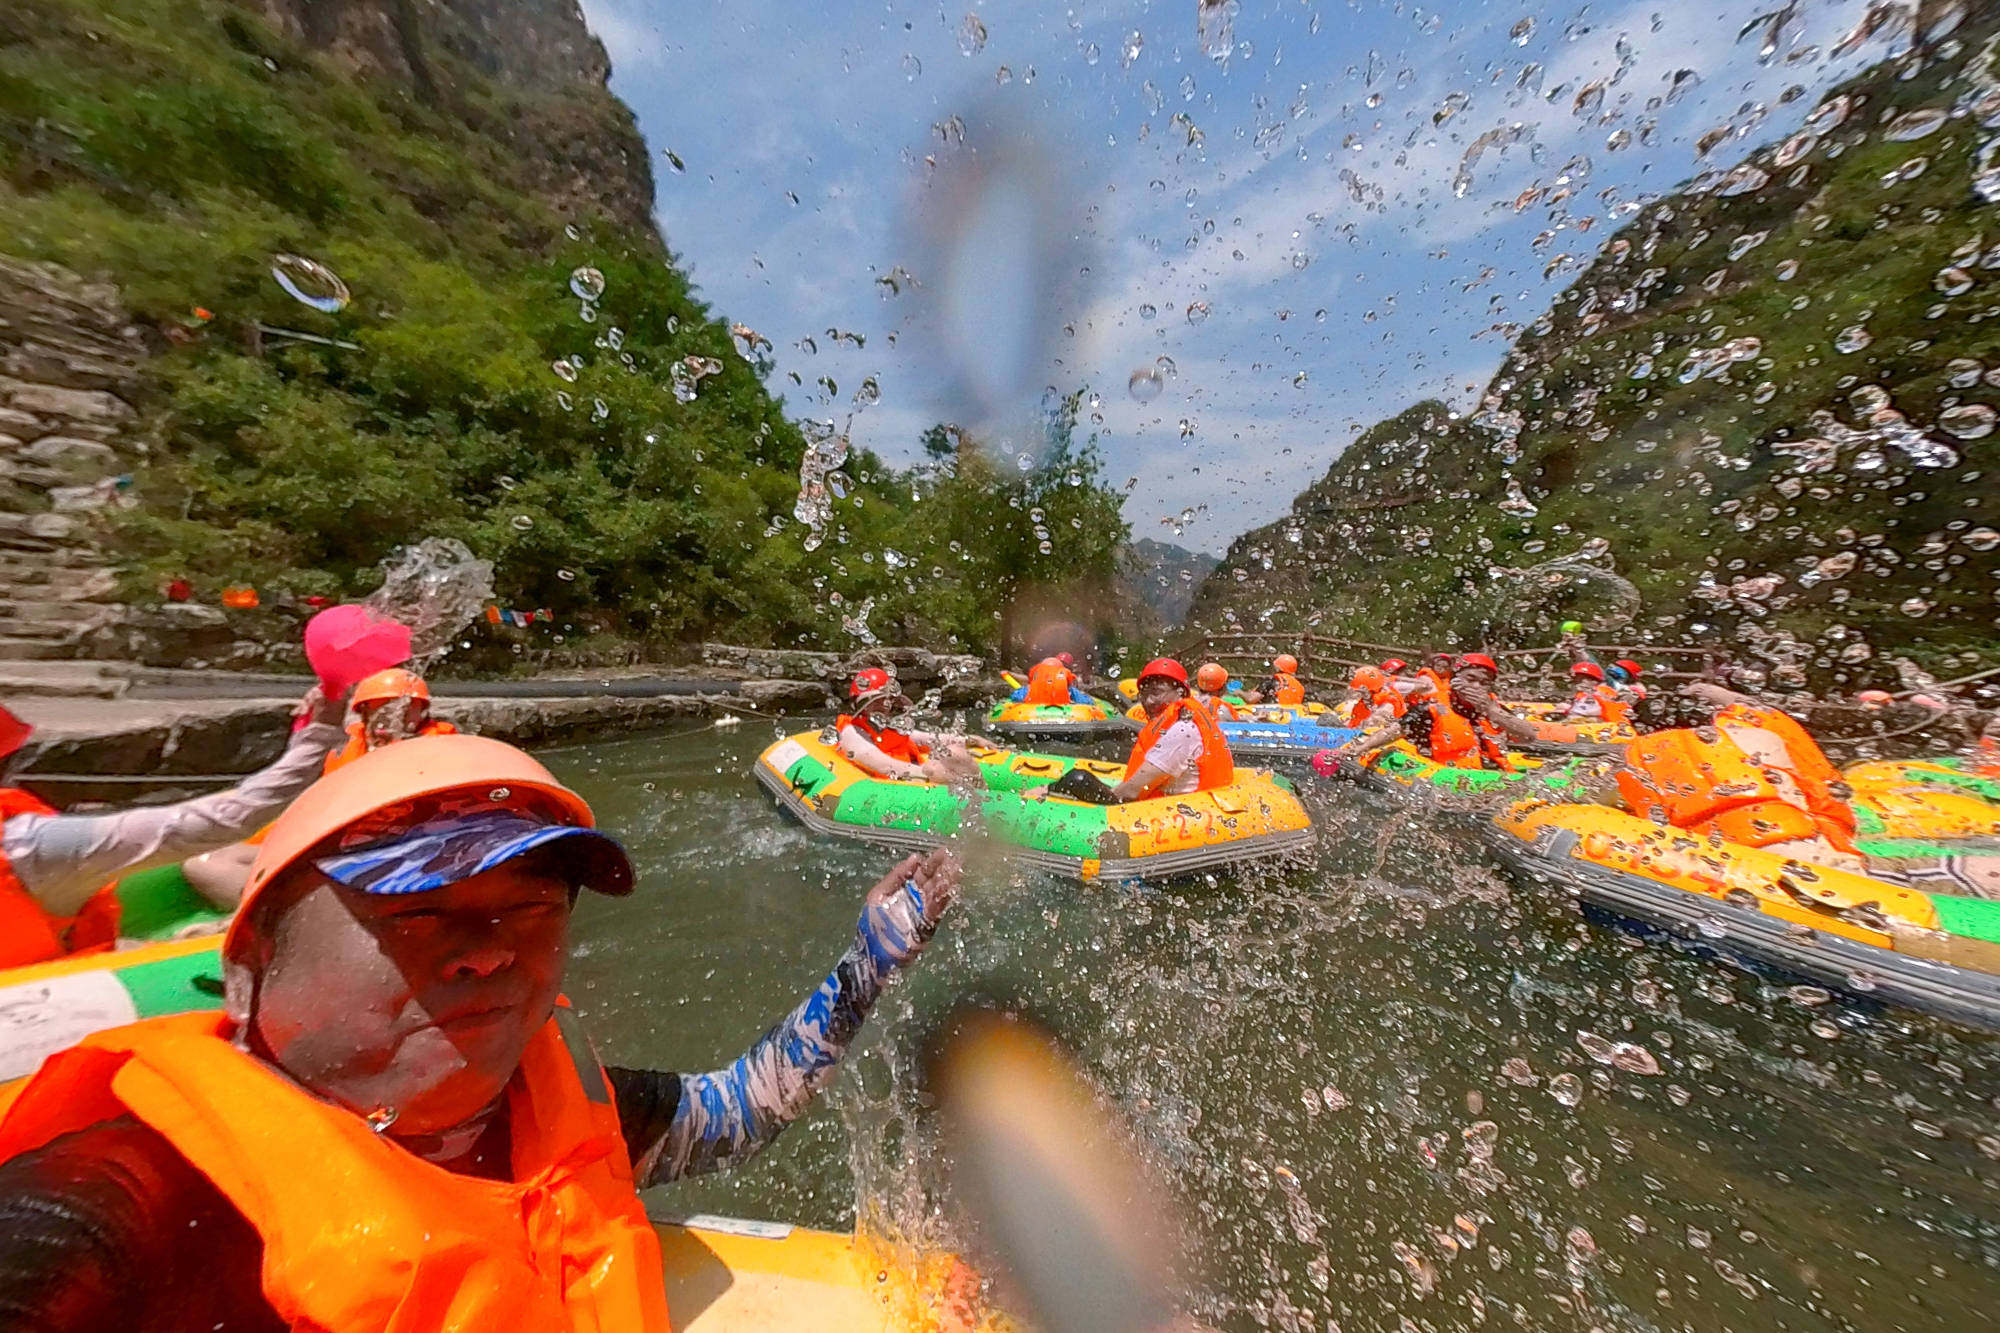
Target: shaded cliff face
(1773, 393)
(540, 86)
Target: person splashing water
(397, 1121)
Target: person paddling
(55, 869)
(1180, 749)
(872, 744)
(397, 1122)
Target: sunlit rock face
(581, 141)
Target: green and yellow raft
(1056, 721)
(1918, 809)
(1403, 767)
(1929, 951)
(1256, 817)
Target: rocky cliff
(1773, 393)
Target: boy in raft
(873, 745)
(1595, 699)
(1180, 749)
(1211, 682)
(1284, 686)
(55, 870)
(389, 706)
(398, 1122)
(1051, 682)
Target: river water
(1357, 1076)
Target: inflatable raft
(1055, 721)
(1900, 812)
(1255, 817)
(1950, 774)
(1403, 767)
(1928, 951)
(1291, 737)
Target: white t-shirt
(1178, 752)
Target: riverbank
(110, 731)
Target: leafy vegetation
(1696, 399)
(176, 146)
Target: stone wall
(70, 371)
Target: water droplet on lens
(1952, 281)
(971, 35)
(1853, 338)
(1197, 311)
(564, 370)
(1916, 124)
(1567, 1089)
(521, 522)
(310, 283)
(1146, 384)
(587, 283)
(1968, 421)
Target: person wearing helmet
(389, 706)
(396, 1120)
(1052, 682)
(1471, 689)
(1459, 725)
(55, 894)
(1179, 750)
(1211, 681)
(1372, 700)
(868, 741)
(1595, 699)
(1283, 687)
(1407, 680)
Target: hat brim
(435, 858)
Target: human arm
(868, 755)
(683, 1124)
(64, 859)
(1479, 703)
(1367, 743)
(109, 1230)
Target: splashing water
(826, 450)
(437, 588)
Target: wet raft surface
(1381, 1084)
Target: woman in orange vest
(1595, 700)
(55, 898)
(871, 744)
(1753, 776)
(389, 706)
(1284, 686)
(1179, 750)
(396, 1123)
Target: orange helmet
(395, 683)
(1368, 678)
(386, 791)
(1286, 662)
(1211, 676)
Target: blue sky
(1343, 275)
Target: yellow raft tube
(1915, 809)
(1929, 951)
(1255, 817)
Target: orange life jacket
(29, 932)
(1289, 690)
(1454, 741)
(1717, 786)
(1217, 707)
(1048, 683)
(1215, 767)
(360, 1236)
(886, 739)
(357, 745)
(1611, 705)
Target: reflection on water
(1390, 1089)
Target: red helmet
(1478, 660)
(1285, 662)
(1168, 667)
(1395, 664)
(1590, 669)
(868, 681)
(1630, 667)
(1066, 659)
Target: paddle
(1083, 1238)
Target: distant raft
(1023, 721)
(1281, 734)
(1849, 932)
(1256, 817)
